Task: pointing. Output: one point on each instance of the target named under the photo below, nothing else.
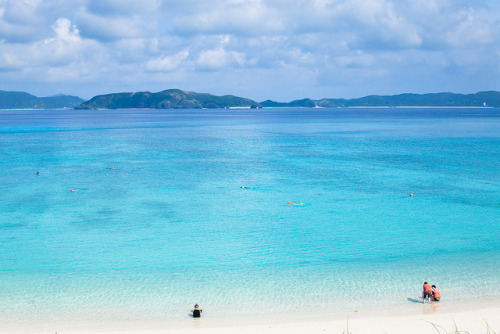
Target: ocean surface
(136, 215)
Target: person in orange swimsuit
(427, 292)
(436, 295)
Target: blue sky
(276, 49)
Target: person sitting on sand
(427, 292)
(196, 311)
(436, 295)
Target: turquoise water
(139, 214)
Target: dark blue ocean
(139, 214)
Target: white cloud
(20, 21)
(111, 28)
(356, 60)
(63, 56)
(219, 59)
(469, 29)
(65, 31)
(167, 64)
(325, 43)
(247, 18)
(9, 61)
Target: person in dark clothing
(197, 311)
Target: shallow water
(138, 214)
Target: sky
(259, 49)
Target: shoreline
(428, 321)
(467, 315)
(250, 108)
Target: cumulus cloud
(105, 29)
(167, 64)
(117, 22)
(247, 18)
(219, 59)
(65, 31)
(348, 47)
(20, 21)
(469, 29)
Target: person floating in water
(427, 292)
(436, 295)
(197, 311)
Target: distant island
(179, 99)
(22, 100)
(167, 99)
(481, 99)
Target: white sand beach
(418, 319)
(466, 316)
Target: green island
(167, 99)
(179, 99)
(22, 100)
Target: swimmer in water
(196, 311)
